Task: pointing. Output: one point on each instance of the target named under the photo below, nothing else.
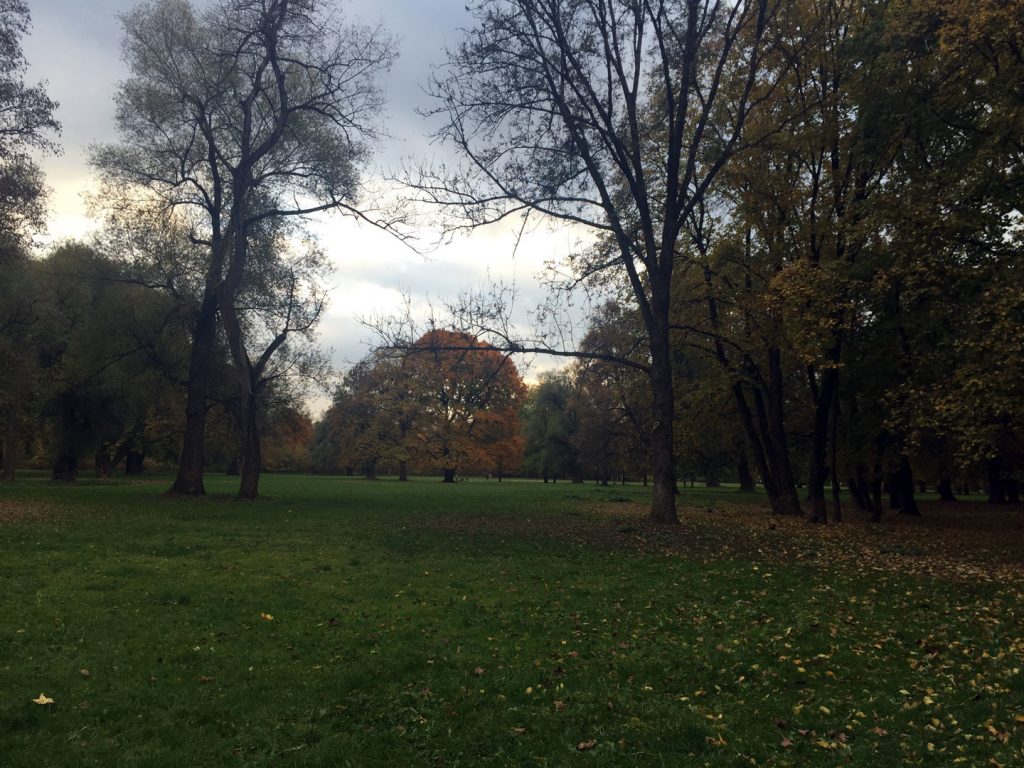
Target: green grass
(477, 624)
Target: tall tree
(469, 396)
(614, 116)
(238, 114)
(27, 125)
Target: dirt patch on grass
(961, 541)
(13, 511)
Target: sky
(74, 45)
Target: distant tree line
(804, 220)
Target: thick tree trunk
(65, 468)
(449, 475)
(876, 495)
(133, 462)
(746, 479)
(104, 463)
(190, 463)
(996, 481)
(905, 489)
(403, 471)
(824, 393)
(663, 497)
(252, 451)
(856, 495)
(945, 486)
(10, 441)
(1012, 491)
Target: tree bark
(133, 463)
(10, 441)
(824, 395)
(449, 475)
(252, 452)
(403, 471)
(190, 463)
(65, 468)
(663, 497)
(996, 481)
(945, 486)
(104, 463)
(747, 484)
(904, 482)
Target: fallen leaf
(518, 731)
(478, 671)
(786, 743)
(583, 746)
(266, 617)
(559, 706)
(85, 673)
(43, 699)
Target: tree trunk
(945, 486)
(1012, 491)
(104, 463)
(855, 493)
(449, 475)
(133, 462)
(370, 469)
(824, 395)
(252, 453)
(10, 442)
(190, 463)
(65, 468)
(663, 497)
(996, 481)
(904, 482)
(746, 479)
(876, 495)
(837, 504)
(403, 471)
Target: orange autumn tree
(469, 396)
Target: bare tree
(614, 116)
(242, 113)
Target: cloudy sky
(75, 46)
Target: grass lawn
(341, 622)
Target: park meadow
(346, 622)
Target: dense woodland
(804, 224)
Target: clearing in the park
(343, 622)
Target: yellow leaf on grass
(43, 699)
(266, 617)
